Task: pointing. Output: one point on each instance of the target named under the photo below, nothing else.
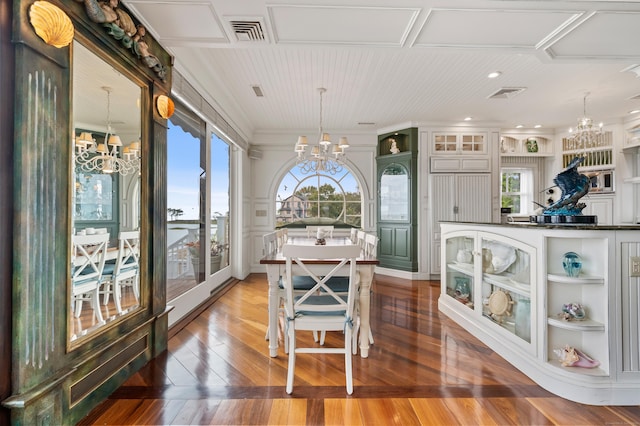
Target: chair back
(89, 255)
(128, 253)
(297, 257)
(354, 235)
(370, 245)
(327, 230)
(270, 243)
(361, 237)
(281, 238)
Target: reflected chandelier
(323, 157)
(585, 134)
(105, 157)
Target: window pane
(219, 257)
(185, 225)
(315, 196)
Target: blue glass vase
(462, 289)
(572, 264)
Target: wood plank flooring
(422, 370)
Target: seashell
(51, 24)
(165, 106)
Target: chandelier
(105, 157)
(323, 157)
(585, 134)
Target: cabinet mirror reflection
(105, 201)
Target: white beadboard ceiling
(393, 62)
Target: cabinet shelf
(506, 282)
(594, 372)
(582, 279)
(585, 325)
(465, 268)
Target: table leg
(366, 277)
(273, 275)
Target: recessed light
(537, 126)
(635, 111)
(494, 74)
(519, 126)
(468, 118)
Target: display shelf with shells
(527, 145)
(589, 290)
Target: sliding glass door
(198, 207)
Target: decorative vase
(462, 289)
(463, 256)
(572, 264)
(532, 145)
(216, 260)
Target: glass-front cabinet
(490, 277)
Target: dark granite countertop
(629, 227)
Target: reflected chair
(319, 308)
(124, 270)
(89, 256)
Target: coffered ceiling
(389, 62)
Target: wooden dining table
(276, 264)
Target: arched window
(319, 198)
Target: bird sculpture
(574, 186)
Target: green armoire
(397, 218)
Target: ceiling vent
(248, 29)
(507, 92)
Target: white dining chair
(370, 245)
(269, 248)
(89, 256)
(361, 237)
(353, 236)
(327, 230)
(124, 270)
(319, 308)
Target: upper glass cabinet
(394, 193)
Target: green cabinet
(397, 199)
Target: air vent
(248, 30)
(258, 91)
(507, 92)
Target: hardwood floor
(423, 369)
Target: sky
(183, 151)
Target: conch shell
(51, 24)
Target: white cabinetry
(526, 145)
(537, 283)
(488, 278)
(457, 197)
(457, 150)
(589, 289)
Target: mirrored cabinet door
(105, 199)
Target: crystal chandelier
(325, 156)
(585, 134)
(105, 157)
